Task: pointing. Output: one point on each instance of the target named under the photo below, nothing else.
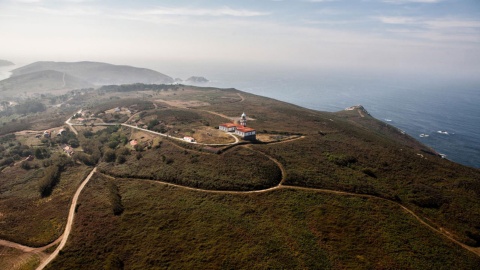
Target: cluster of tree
(26, 107)
(51, 175)
(155, 125)
(119, 155)
(107, 144)
(342, 160)
(42, 153)
(137, 87)
(131, 103)
(115, 198)
(14, 126)
(68, 137)
(12, 150)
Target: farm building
(240, 129)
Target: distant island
(192, 79)
(4, 63)
(197, 79)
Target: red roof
(228, 125)
(245, 129)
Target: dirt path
(63, 79)
(361, 113)
(439, 230)
(280, 165)
(71, 125)
(242, 98)
(23, 248)
(218, 114)
(68, 227)
(282, 169)
(287, 140)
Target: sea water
(441, 113)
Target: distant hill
(45, 80)
(98, 73)
(4, 63)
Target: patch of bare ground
(210, 135)
(270, 138)
(184, 103)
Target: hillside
(42, 81)
(5, 63)
(98, 73)
(315, 190)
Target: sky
(436, 36)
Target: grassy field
(140, 223)
(165, 227)
(237, 169)
(28, 218)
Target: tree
(49, 180)
(74, 143)
(109, 156)
(121, 159)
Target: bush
(25, 165)
(109, 156)
(115, 199)
(369, 172)
(121, 159)
(341, 160)
(49, 181)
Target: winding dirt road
(68, 227)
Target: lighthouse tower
(243, 120)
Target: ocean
(439, 112)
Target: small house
(189, 139)
(246, 133)
(68, 150)
(228, 127)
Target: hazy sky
(423, 35)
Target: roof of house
(229, 125)
(133, 142)
(245, 129)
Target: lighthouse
(243, 120)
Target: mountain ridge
(98, 73)
(4, 63)
(42, 81)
